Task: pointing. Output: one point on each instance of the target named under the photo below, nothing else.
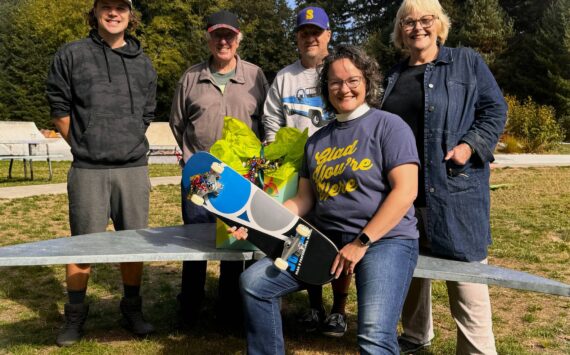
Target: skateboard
(292, 242)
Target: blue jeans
(382, 280)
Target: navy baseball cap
(222, 19)
(313, 15)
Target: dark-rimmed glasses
(425, 21)
(218, 35)
(353, 82)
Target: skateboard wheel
(197, 200)
(303, 230)
(217, 168)
(281, 264)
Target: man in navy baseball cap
(282, 109)
(313, 15)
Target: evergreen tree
(537, 64)
(525, 13)
(484, 26)
(551, 49)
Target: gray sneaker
(407, 347)
(312, 320)
(334, 325)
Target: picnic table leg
(30, 151)
(25, 168)
(10, 169)
(49, 162)
(49, 167)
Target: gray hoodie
(110, 95)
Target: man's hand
(460, 154)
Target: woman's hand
(239, 234)
(460, 154)
(347, 258)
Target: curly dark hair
(134, 20)
(366, 64)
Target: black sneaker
(407, 347)
(334, 325)
(312, 320)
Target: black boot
(72, 331)
(133, 319)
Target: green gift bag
(239, 145)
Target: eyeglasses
(228, 36)
(353, 82)
(425, 21)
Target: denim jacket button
(430, 86)
(431, 108)
(431, 189)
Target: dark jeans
(194, 272)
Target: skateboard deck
(292, 242)
(197, 242)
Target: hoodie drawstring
(107, 62)
(129, 84)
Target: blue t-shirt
(348, 164)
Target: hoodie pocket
(113, 138)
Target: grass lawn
(531, 229)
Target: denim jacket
(463, 103)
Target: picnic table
(23, 141)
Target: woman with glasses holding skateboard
(359, 178)
(456, 110)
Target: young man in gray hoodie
(102, 94)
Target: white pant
(470, 307)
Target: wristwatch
(364, 239)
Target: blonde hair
(431, 7)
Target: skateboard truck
(294, 247)
(204, 184)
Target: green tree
(269, 40)
(30, 34)
(484, 26)
(551, 47)
(525, 13)
(172, 34)
(537, 64)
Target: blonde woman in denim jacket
(456, 110)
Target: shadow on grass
(41, 291)
(33, 288)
